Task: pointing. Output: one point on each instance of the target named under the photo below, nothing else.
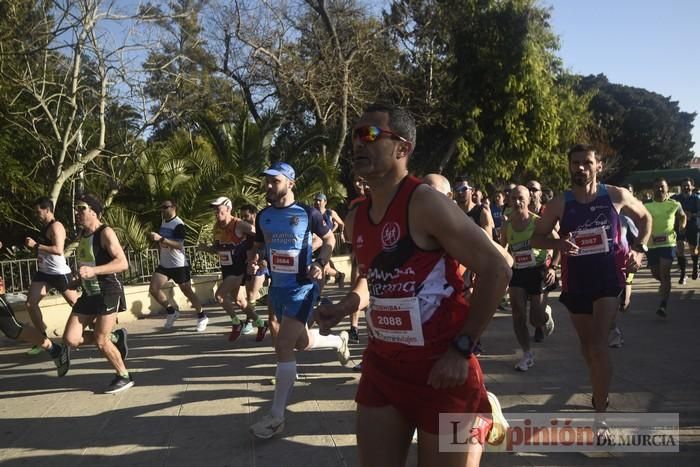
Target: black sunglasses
(166, 206)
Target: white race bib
(591, 241)
(524, 259)
(225, 258)
(396, 320)
(283, 261)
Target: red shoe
(262, 330)
(235, 332)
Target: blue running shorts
(297, 302)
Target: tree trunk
(448, 155)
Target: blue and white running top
(173, 229)
(286, 233)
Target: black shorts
(53, 281)
(179, 275)
(99, 304)
(654, 255)
(692, 235)
(236, 269)
(582, 303)
(529, 279)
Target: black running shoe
(119, 384)
(682, 280)
(694, 275)
(121, 342)
(607, 402)
(661, 311)
(63, 360)
(539, 334)
(354, 336)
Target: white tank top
(46, 262)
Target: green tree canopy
(637, 129)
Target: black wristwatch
(640, 248)
(464, 345)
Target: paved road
(196, 394)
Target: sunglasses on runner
(370, 134)
(81, 207)
(166, 206)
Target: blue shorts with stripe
(294, 302)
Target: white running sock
(323, 342)
(284, 381)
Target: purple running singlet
(599, 267)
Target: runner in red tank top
(409, 240)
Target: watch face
(464, 342)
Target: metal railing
(18, 273)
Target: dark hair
(94, 202)
(171, 201)
(583, 148)
(689, 180)
(400, 120)
(44, 202)
(250, 208)
(660, 180)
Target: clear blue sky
(644, 43)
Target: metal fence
(18, 273)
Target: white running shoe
(248, 328)
(526, 362)
(344, 350)
(170, 319)
(202, 323)
(549, 325)
(500, 425)
(267, 427)
(615, 339)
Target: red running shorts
(403, 385)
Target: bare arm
(339, 224)
(172, 244)
(486, 220)
(465, 241)
(682, 218)
(110, 242)
(635, 210)
(504, 236)
(316, 270)
(245, 228)
(58, 234)
(327, 245)
(357, 299)
(544, 226)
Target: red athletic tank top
(416, 302)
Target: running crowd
(417, 282)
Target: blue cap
(320, 196)
(281, 168)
